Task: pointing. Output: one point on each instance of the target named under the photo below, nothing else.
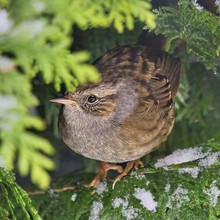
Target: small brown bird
(126, 115)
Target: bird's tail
(168, 65)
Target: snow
(197, 5)
(1, 162)
(7, 104)
(52, 193)
(5, 22)
(73, 197)
(194, 172)
(212, 158)
(217, 3)
(6, 64)
(30, 28)
(213, 192)
(147, 183)
(137, 175)
(129, 212)
(102, 187)
(178, 197)
(38, 6)
(205, 160)
(167, 187)
(182, 156)
(118, 201)
(146, 198)
(96, 208)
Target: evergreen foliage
(195, 33)
(13, 196)
(198, 29)
(151, 193)
(35, 44)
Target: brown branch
(41, 192)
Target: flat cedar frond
(199, 29)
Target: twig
(40, 192)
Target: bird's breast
(101, 140)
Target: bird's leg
(103, 171)
(136, 164)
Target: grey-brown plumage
(126, 115)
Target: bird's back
(156, 83)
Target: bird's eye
(92, 98)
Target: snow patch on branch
(179, 196)
(182, 156)
(101, 188)
(6, 64)
(29, 28)
(1, 162)
(5, 22)
(194, 172)
(212, 158)
(197, 5)
(167, 187)
(217, 3)
(96, 208)
(73, 197)
(129, 212)
(205, 160)
(146, 198)
(213, 192)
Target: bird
(127, 114)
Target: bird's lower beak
(63, 101)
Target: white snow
(146, 198)
(182, 156)
(30, 28)
(167, 187)
(129, 212)
(7, 103)
(193, 171)
(38, 6)
(51, 192)
(1, 162)
(212, 158)
(118, 201)
(96, 208)
(217, 3)
(6, 64)
(205, 160)
(197, 5)
(73, 197)
(178, 197)
(5, 22)
(137, 175)
(102, 187)
(213, 192)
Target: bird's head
(104, 99)
(97, 100)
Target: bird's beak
(63, 101)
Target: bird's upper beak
(63, 101)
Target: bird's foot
(136, 164)
(103, 171)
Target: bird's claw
(136, 164)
